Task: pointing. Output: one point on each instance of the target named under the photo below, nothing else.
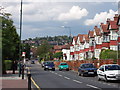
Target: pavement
(13, 81)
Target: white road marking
(77, 81)
(60, 75)
(109, 84)
(56, 73)
(66, 78)
(114, 85)
(93, 86)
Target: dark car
(87, 69)
(49, 65)
(32, 62)
(42, 64)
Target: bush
(8, 64)
(109, 54)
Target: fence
(73, 65)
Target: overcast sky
(46, 18)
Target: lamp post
(70, 37)
(20, 43)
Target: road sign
(23, 53)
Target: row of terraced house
(88, 46)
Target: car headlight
(46, 66)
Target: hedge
(8, 64)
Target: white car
(109, 72)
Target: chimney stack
(116, 17)
(108, 19)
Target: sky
(50, 18)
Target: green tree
(58, 55)
(44, 50)
(10, 39)
(26, 48)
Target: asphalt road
(68, 80)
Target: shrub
(8, 64)
(109, 54)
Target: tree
(44, 50)
(58, 55)
(10, 39)
(26, 48)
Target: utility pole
(20, 39)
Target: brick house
(87, 46)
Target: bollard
(19, 66)
(29, 81)
(22, 71)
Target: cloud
(100, 18)
(74, 13)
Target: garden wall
(75, 64)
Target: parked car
(63, 66)
(32, 62)
(109, 72)
(87, 69)
(42, 64)
(49, 65)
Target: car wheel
(45, 69)
(99, 79)
(60, 69)
(106, 80)
(67, 69)
(53, 69)
(82, 74)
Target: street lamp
(20, 44)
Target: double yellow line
(34, 81)
(35, 84)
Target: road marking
(77, 81)
(35, 84)
(66, 77)
(55, 73)
(60, 75)
(114, 85)
(93, 86)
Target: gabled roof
(60, 47)
(97, 31)
(66, 46)
(104, 27)
(91, 34)
(75, 39)
(86, 37)
(113, 25)
(81, 37)
(57, 47)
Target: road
(68, 80)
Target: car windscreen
(63, 64)
(112, 67)
(49, 63)
(88, 66)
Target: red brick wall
(75, 64)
